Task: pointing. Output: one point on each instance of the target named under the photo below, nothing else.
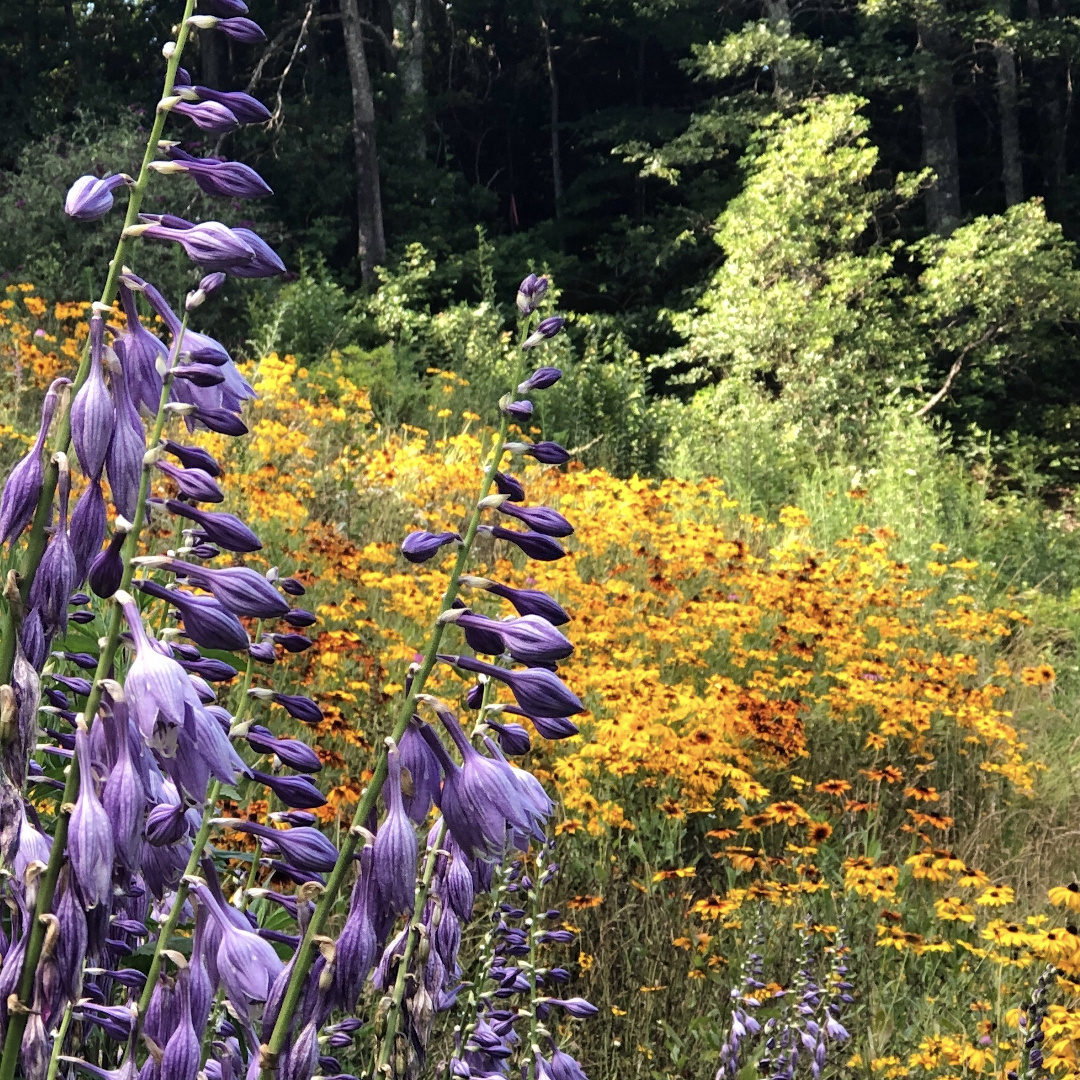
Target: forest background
(821, 269)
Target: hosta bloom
(525, 601)
(303, 847)
(423, 766)
(530, 292)
(193, 457)
(420, 546)
(140, 352)
(539, 692)
(93, 415)
(226, 179)
(56, 579)
(107, 567)
(124, 459)
(209, 116)
(547, 328)
(540, 379)
(194, 484)
(225, 530)
(90, 838)
(244, 107)
(541, 519)
(209, 243)
(394, 851)
(90, 198)
(236, 588)
(529, 639)
(534, 544)
(89, 521)
(239, 28)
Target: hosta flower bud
(201, 375)
(225, 530)
(508, 486)
(292, 586)
(90, 839)
(263, 652)
(210, 243)
(540, 379)
(530, 292)
(244, 107)
(56, 579)
(266, 262)
(89, 521)
(194, 484)
(93, 415)
(423, 771)
(535, 545)
(225, 179)
(236, 588)
(222, 421)
(395, 848)
(124, 459)
(107, 567)
(209, 116)
(526, 601)
(304, 847)
(293, 643)
(296, 792)
(193, 457)
(547, 328)
(547, 727)
(240, 29)
(420, 546)
(299, 617)
(541, 519)
(292, 752)
(90, 199)
(538, 691)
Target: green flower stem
(37, 540)
(305, 954)
(58, 852)
(420, 897)
(58, 1042)
(534, 919)
(198, 846)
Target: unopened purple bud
(299, 707)
(530, 292)
(575, 1006)
(304, 847)
(475, 696)
(420, 546)
(296, 792)
(292, 752)
(513, 738)
(293, 643)
(518, 410)
(547, 328)
(90, 199)
(225, 530)
(236, 588)
(292, 586)
(239, 29)
(89, 521)
(192, 483)
(107, 567)
(244, 107)
(193, 457)
(222, 421)
(90, 839)
(263, 652)
(93, 415)
(201, 375)
(534, 544)
(538, 691)
(507, 485)
(206, 621)
(540, 379)
(210, 669)
(300, 618)
(210, 243)
(395, 848)
(226, 179)
(166, 825)
(541, 519)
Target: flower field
(782, 744)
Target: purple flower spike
(107, 567)
(239, 29)
(395, 848)
(90, 838)
(23, 487)
(90, 199)
(193, 483)
(508, 486)
(206, 622)
(547, 328)
(530, 292)
(305, 848)
(225, 530)
(157, 687)
(236, 588)
(93, 415)
(193, 457)
(420, 546)
(56, 578)
(538, 691)
(541, 519)
(540, 379)
(534, 544)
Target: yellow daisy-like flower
(953, 909)
(1006, 935)
(1066, 896)
(996, 896)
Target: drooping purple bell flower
(203, 376)
(90, 198)
(88, 523)
(124, 797)
(139, 352)
(194, 484)
(395, 848)
(538, 691)
(56, 578)
(548, 727)
(296, 792)
(239, 29)
(90, 840)
(124, 459)
(359, 942)
(525, 601)
(535, 545)
(540, 379)
(236, 588)
(458, 886)
(292, 752)
(193, 457)
(107, 567)
(513, 738)
(93, 415)
(424, 773)
(209, 116)
(541, 519)
(224, 530)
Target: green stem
(420, 897)
(38, 539)
(58, 1043)
(58, 852)
(305, 954)
(534, 918)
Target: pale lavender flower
(90, 198)
(395, 847)
(93, 415)
(90, 839)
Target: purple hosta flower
(236, 588)
(183, 1050)
(90, 199)
(240, 29)
(124, 797)
(508, 486)
(528, 638)
(266, 263)
(208, 285)
(835, 1030)
(479, 803)
(423, 772)
(458, 886)
(531, 794)
(538, 691)
(525, 601)
(124, 460)
(305, 848)
(224, 530)
(296, 705)
(292, 752)
(246, 964)
(303, 1055)
(166, 824)
(300, 618)
(535, 545)
(90, 839)
(292, 586)
(72, 940)
(547, 328)
(139, 352)
(210, 668)
(194, 484)
(530, 292)
(203, 376)
(420, 546)
(158, 689)
(359, 941)
(93, 415)
(575, 1006)
(193, 345)
(517, 410)
(513, 738)
(209, 243)
(244, 107)
(292, 643)
(541, 519)
(263, 652)
(563, 1067)
(56, 579)
(395, 847)
(88, 523)
(24, 483)
(209, 116)
(547, 453)
(222, 421)
(107, 567)
(226, 179)
(540, 379)
(193, 457)
(297, 792)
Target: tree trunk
(937, 105)
(778, 12)
(553, 88)
(410, 18)
(1012, 173)
(214, 58)
(371, 247)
